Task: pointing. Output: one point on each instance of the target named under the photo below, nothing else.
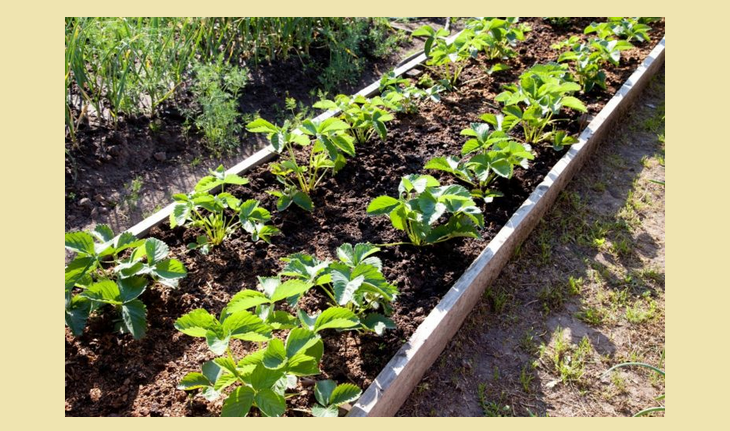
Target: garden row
(319, 316)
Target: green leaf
(574, 104)
(238, 403)
(323, 391)
(377, 323)
(194, 381)
(217, 343)
(303, 201)
(103, 233)
(260, 125)
(197, 323)
(344, 287)
(77, 313)
(156, 250)
(344, 393)
(336, 318)
(76, 270)
(275, 354)
(134, 315)
(170, 271)
(80, 242)
(325, 412)
(270, 403)
(290, 288)
(246, 299)
(180, 214)
(264, 378)
(382, 205)
(300, 339)
(246, 326)
(130, 288)
(105, 291)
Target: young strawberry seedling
(330, 143)
(541, 93)
(493, 154)
(105, 277)
(497, 37)
(366, 117)
(449, 58)
(212, 213)
(421, 203)
(330, 396)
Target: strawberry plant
(221, 214)
(497, 37)
(329, 142)
(588, 59)
(626, 28)
(540, 94)
(262, 377)
(103, 273)
(330, 396)
(403, 96)
(421, 202)
(449, 58)
(493, 154)
(366, 117)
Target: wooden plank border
(396, 381)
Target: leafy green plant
(356, 283)
(493, 154)
(646, 411)
(215, 88)
(212, 213)
(589, 58)
(103, 273)
(402, 96)
(366, 117)
(541, 93)
(497, 37)
(421, 202)
(627, 28)
(329, 142)
(262, 377)
(448, 57)
(330, 396)
(558, 21)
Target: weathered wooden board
(397, 380)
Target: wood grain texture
(397, 380)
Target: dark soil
(111, 375)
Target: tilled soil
(108, 374)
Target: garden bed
(109, 375)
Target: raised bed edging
(396, 381)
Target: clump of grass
(641, 311)
(567, 359)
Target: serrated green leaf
(105, 291)
(156, 250)
(131, 287)
(80, 242)
(170, 271)
(323, 391)
(134, 316)
(238, 403)
(344, 393)
(246, 299)
(382, 205)
(246, 326)
(336, 318)
(194, 381)
(290, 288)
(325, 412)
(270, 403)
(303, 201)
(197, 323)
(275, 354)
(300, 339)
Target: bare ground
(583, 293)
